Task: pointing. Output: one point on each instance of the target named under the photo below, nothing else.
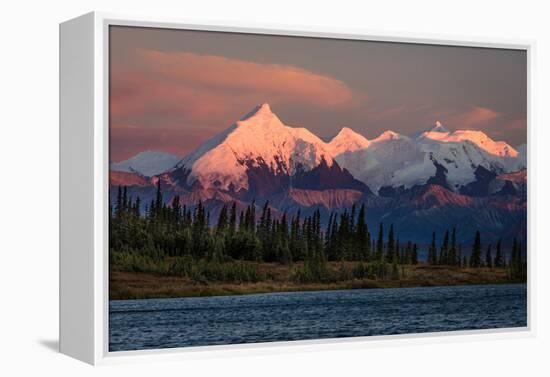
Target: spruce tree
(252, 221)
(499, 262)
(390, 254)
(407, 259)
(414, 258)
(176, 209)
(362, 236)
(432, 251)
(380, 243)
(452, 256)
(328, 238)
(344, 242)
(294, 242)
(158, 200)
(334, 237)
(444, 249)
(222, 220)
(263, 226)
(125, 200)
(233, 218)
(241, 221)
(475, 259)
(286, 256)
(137, 207)
(352, 219)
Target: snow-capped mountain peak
(258, 140)
(499, 148)
(436, 132)
(259, 110)
(347, 132)
(347, 140)
(260, 116)
(479, 138)
(438, 127)
(147, 163)
(387, 135)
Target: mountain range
(430, 181)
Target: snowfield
(147, 163)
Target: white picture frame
(84, 166)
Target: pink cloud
(288, 83)
(477, 116)
(174, 89)
(474, 117)
(470, 118)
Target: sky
(171, 90)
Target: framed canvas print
(224, 187)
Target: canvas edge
(103, 20)
(76, 192)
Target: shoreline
(125, 285)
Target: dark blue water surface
(181, 322)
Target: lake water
(165, 323)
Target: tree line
(157, 230)
(176, 230)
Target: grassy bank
(274, 277)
